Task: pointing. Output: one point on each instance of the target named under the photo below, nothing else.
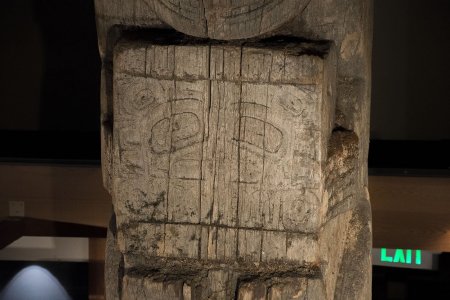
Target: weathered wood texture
(202, 137)
(227, 179)
(224, 20)
(227, 19)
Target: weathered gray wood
(184, 137)
(227, 19)
(264, 137)
(226, 177)
(114, 264)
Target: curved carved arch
(227, 19)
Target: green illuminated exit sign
(404, 258)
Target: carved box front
(219, 149)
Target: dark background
(49, 75)
(410, 111)
(410, 87)
(49, 81)
(398, 283)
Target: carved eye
(260, 134)
(295, 103)
(184, 126)
(143, 99)
(183, 133)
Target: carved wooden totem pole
(235, 137)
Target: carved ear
(229, 19)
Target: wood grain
(198, 141)
(228, 19)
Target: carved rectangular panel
(224, 145)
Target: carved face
(224, 138)
(227, 19)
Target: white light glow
(34, 283)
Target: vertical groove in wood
(237, 150)
(220, 143)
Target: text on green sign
(402, 256)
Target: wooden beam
(12, 229)
(66, 193)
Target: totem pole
(234, 145)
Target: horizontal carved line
(296, 82)
(312, 234)
(192, 267)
